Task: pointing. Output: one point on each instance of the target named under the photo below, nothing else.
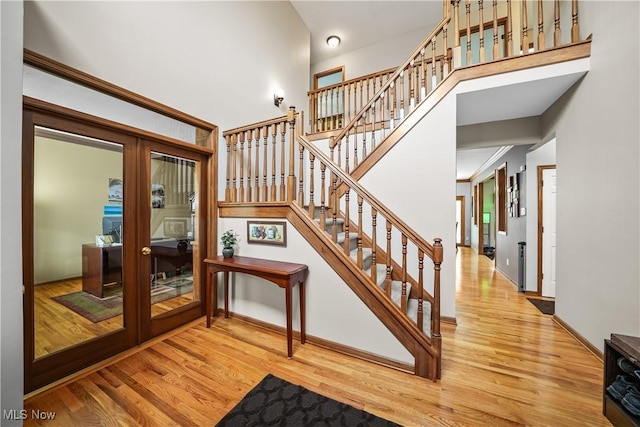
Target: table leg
(207, 295)
(289, 323)
(303, 336)
(226, 294)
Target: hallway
(503, 364)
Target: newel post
(437, 261)
(457, 50)
(291, 178)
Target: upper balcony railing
(469, 34)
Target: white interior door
(549, 233)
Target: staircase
(273, 170)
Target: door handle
(146, 250)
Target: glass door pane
(77, 239)
(173, 231)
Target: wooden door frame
(46, 369)
(479, 211)
(462, 221)
(541, 169)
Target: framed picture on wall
(267, 232)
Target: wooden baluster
(249, 196)
(325, 110)
(353, 132)
(496, 48)
(347, 108)
(227, 190)
(346, 152)
(402, 95)
(557, 33)
(359, 253)
(423, 77)
(372, 110)
(412, 101)
(381, 105)
(345, 245)
(468, 13)
(265, 136)
(256, 187)
(434, 78)
(420, 316)
(364, 135)
(435, 309)
(312, 160)
(445, 53)
(274, 142)
(540, 26)
(509, 30)
(457, 54)
(283, 132)
(387, 280)
(403, 301)
(575, 28)
(374, 245)
(291, 179)
(392, 101)
(361, 94)
(481, 29)
(241, 160)
(332, 113)
(525, 29)
(313, 112)
(323, 217)
(334, 207)
(234, 160)
(301, 177)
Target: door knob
(146, 250)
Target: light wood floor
(503, 364)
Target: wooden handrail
(432, 61)
(373, 201)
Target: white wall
(373, 58)
(425, 155)
(11, 366)
(333, 312)
(220, 61)
(598, 191)
(542, 155)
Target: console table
(284, 274)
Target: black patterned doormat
(276, 402)
(546, 307)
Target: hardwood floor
(504, 364)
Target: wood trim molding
(49, 65)
(321, 74)
(582, 340)
(541, 168)
(321, 342)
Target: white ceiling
(363, 23)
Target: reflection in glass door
(77, 239)
(174, 233)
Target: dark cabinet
(619, 346)
(101, 266)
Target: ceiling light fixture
(333, 41)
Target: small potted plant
(228, 239)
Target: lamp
(278, 97)
(333, 41)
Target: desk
(284, 274)
(101, 266)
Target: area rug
(99, 309)
(546, 307)
(275, 401)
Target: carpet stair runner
(381, 273)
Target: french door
(114, 234)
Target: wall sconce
(278, 97)
(333, 41)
